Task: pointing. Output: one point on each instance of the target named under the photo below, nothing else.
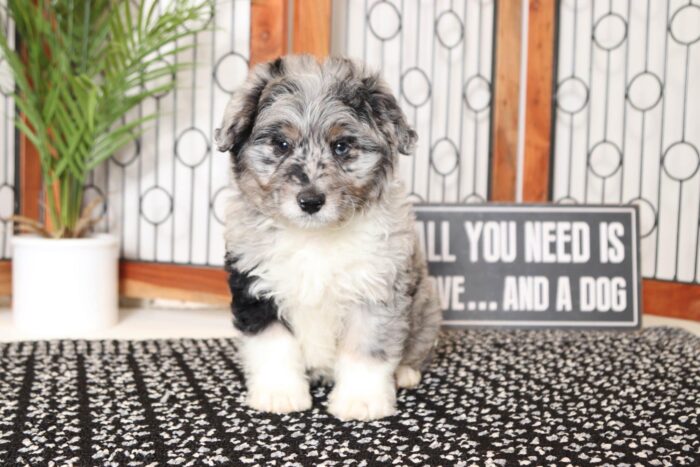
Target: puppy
(327, 278)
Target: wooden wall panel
(268, 30)
(312, 27)
(507, 100)
(538, 113)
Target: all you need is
(561, 242)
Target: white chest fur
(317, 277)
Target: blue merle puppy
(327, 277)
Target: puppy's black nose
(311, 201)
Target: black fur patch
(277, 67)
(251, 314)
(371, 103)
(268, 133)
(296, 171)
(277, 89)
(244, 127)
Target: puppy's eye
(282, 146)
(341, 148)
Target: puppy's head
(313, 143)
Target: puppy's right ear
(242, 110)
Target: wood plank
(176, 282)
(29, 188)
(30, 184)
(5, 278)
(538, 111)
(312, 28)
(672, 299)
(268, 30)
(507, 100)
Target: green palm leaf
(85, 65)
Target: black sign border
(637, 311)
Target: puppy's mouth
(311, 221)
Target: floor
(177, 321)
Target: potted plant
(80, 67)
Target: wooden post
(312, 27)
(29, 179)
(538, 113)
(507, 100)
(268, 30)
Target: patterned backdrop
(628, 120)
(437, 57)
(166, 191)
(626, 107)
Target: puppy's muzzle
(311, 201)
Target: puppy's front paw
(279, 399)
(407, 377)
(348, 406)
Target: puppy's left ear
(242, 110)
(385, 107)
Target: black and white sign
(534, 266)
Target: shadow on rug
(489, 398)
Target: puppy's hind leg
(426, 318)
(275, 373)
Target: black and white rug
(489, 398)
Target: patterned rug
(489, 398)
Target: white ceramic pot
(64, 288)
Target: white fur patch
(275, 371)
(317, 276)
(364, 389)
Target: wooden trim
(507, 100)
(268, 30)
(312, 27)
(538, 110)
(5, 278)
(176, 282)
(672, 299)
